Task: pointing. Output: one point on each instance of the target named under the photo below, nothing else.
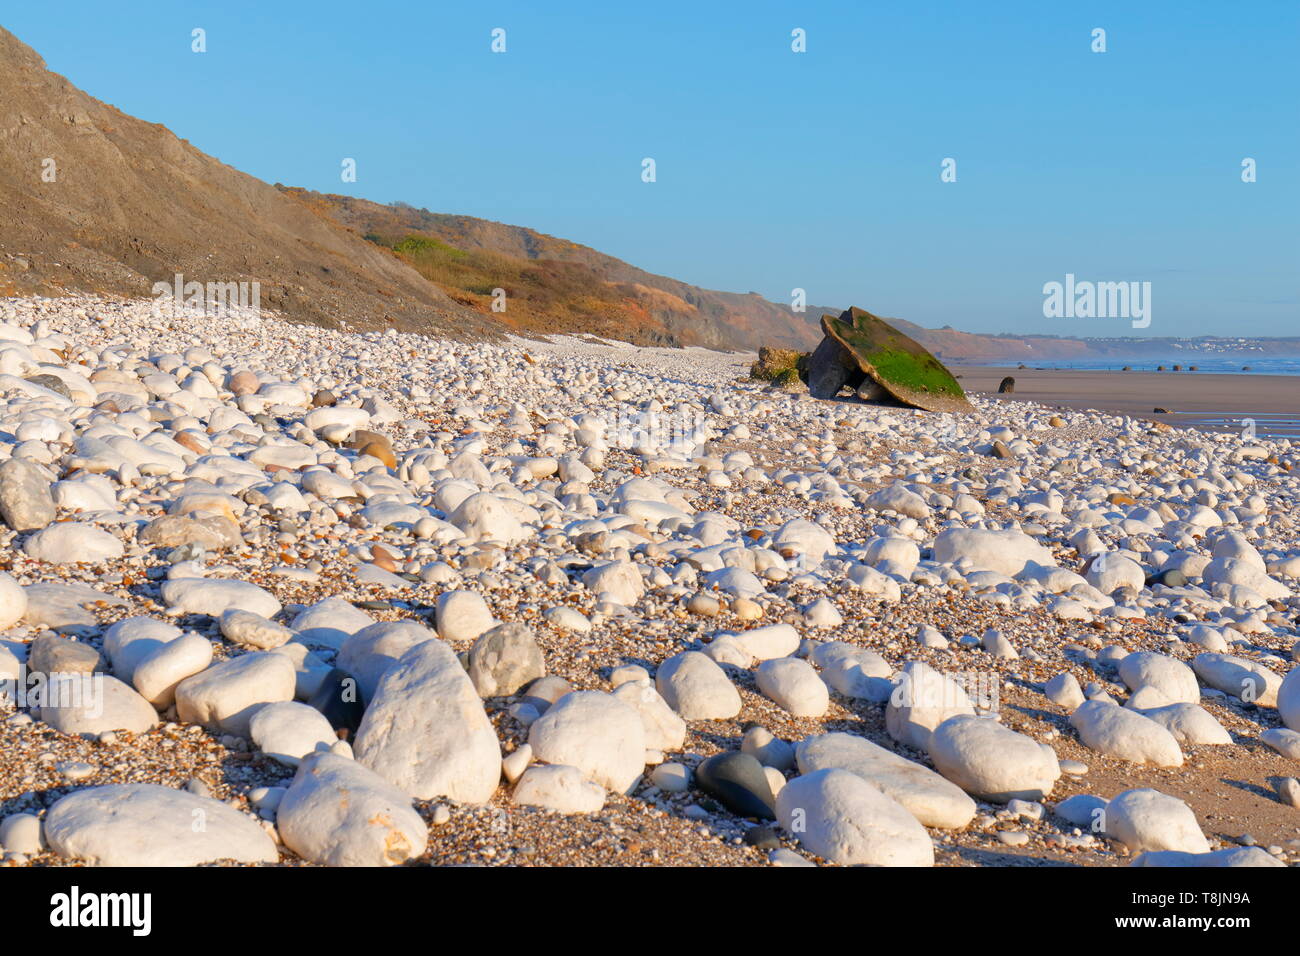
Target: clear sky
(775, 169)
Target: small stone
(504, 659)
(338, 813)
(161, 671)
(198, 533)
(1109, 729)
(568, 619)
(72, 542)
(545, 691)
(737, 780)
(243, 383)
(628, 673)
(923, 699)
(253, 630)
(372, 651)
(1064, 689)
(1025, 809)
(514, 764)
(50, 654)
(1171, 677)
(697, 688)
(558, 787)
(705, 605)
(93, 704)
(1147, 819)
(996, 643)
(762, 838)
(1234, 856)
(1288, 790)
(597, 733)
(664, 729)
(932, 799)
(213, 597)
(794, 685)
(784, 857)
(288, 731)
(619, 580)
(198, 787)
(25, 500)
(671, 777)
(1239, 677)
(330, 622)
(13, 601)
(144, 824)
(769, 642)
(425, 730)
(21, 833)
(1083, 810)
(462, 615)
(844, 819)
(226, 695)
(770, 751)
(992, 762)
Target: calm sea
(1219, 365)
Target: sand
(1194, 399)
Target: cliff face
(92, 199)
(556, 285)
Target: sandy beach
(1196, 400)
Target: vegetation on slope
(554, 285)
(536, 295)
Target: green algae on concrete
(780, 366)
(896, 362)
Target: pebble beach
(275, 594)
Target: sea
(1218, 365)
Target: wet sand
(1200, 400)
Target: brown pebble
(186, 440)
(381, 451)
(243, 383)
(382, 558)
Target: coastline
(1209, 401)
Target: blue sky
(775, 170)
